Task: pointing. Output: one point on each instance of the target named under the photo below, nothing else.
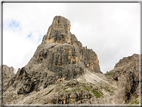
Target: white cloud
(111, 30)
(15, 46)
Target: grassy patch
(135, 101)
(60, 91)
(58, 83)
(65, 89)
(4, 75)
(82, 83)
(98, 94)
(87, 89)
(108, 89)
(108, 74)
(75, 90)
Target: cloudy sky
(112, 30)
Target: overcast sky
(112, 30)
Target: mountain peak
(59, 31)
(61, 19)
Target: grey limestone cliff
(59, 57)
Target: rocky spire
(59, 57)
(7, 70)
(59, 31)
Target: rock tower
(59, 57)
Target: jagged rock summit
(59, 31)
(125, 75)
(59, 57)
(7, 70)
(8, 73)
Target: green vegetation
(135, 101)
(98, 94)
(67, 91)
(5, 75)
(65, 88)
(58, 83)
(75, 90)
(49, 92)
(107, 89)
(108, 74)
(101, 93)
(85, 86)
(87, 89)
(60, 91)
(82, 83)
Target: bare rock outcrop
(126, 76)
(8, 73)
(7, 70)
(59, 31)
(59, 57)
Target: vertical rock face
(59, 31)
(90, 59)
(131, 88)
(59, 57)
(7, 70)
(8, 73)
(126, 76)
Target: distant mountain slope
(125, 75)
(8, 73)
